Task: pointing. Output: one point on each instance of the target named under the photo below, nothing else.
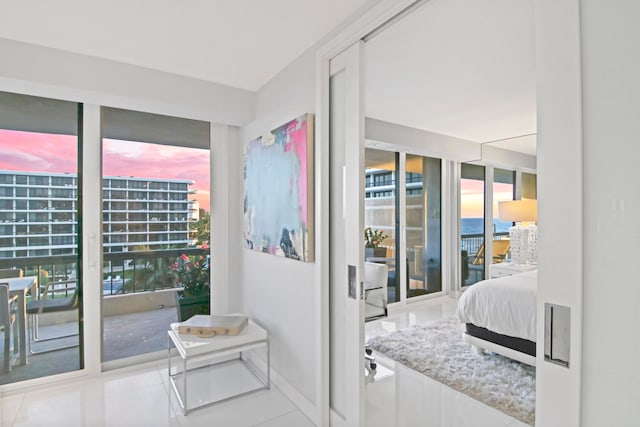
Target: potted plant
(372, 241)
(192, 273)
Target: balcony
(138, 306)
(471, 247)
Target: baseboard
(301, 402)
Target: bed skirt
(517, 344)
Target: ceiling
(458, 67)
(238, 43)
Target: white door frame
(346, 218)
(372, 19)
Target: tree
(201, 229)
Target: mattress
(505, 305)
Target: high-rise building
(38, 213)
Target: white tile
(517, 423)
(145, 405)
(243, 411)
(292, 419)
(410, 398)
(9, 408)
(52, 399)
(460, 410)
(380, 403)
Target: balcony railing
(472, 242)
(123, 272)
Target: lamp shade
(518, 210)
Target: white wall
(611, 104)
(280, 293)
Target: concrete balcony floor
(125, 335)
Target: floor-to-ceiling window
(380, 214)
(472, 214)
(529, 186)
(40, 227)
(423, 224)
(156, 220)
(503, 190)
(417, 267)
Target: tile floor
(403, 397)
(140, 396)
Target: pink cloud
(37, 152)
(143, 160)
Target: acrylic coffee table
(204, 371)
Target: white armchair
(375, 290)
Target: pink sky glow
(472, 192)
(36, 152)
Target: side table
(204, 371)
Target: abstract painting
(278, 191)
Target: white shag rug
(437, 350)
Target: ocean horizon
(476, 226)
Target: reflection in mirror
(423, 213)
(472, 198)
(380, 213)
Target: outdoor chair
(8, 325)
(50, 302)
(500, 251)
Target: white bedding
(506, 305)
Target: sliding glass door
(40, 227)
(380, 214)
(404, 192)
(155, 212)
(423, 189)
(504, 188)
(472, 214)
(505, 185)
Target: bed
(500, 316)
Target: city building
(38, 213)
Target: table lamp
(524, 234)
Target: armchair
(376, 277)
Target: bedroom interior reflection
(388, 176)
(513, 162)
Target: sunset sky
(472, 195)
(36, 152)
